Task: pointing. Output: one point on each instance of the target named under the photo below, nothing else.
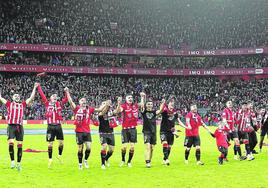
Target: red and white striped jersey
(15, 112)
(244, 120)
(228, 114)
(53, 110)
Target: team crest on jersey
(149, 115)
(129, 115)
(50, 108)
(135, 115)
(171, 116)
(110, 113)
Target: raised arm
(118, 107)
(161, 108)
(2, 100)
(69, 98)
(206, 127)
(142, 103)
(31, 98)
(43, 97)
(64, 100)
(183, 125)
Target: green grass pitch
(36, 174)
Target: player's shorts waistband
(106, 133)
(133, 127)
(149, 132)
(83, 132)
(14, 124)
(58, 124)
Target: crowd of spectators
(207, 24)
(208, 93)
(256, 61)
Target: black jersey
(149, 121)
(264, 120)
(168, 121)
(104, 126)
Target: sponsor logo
(77, 70)
(209, 52)
(92, 70)
(161, 52)
(194, 52)
(141, 71)
(107, 71)
(148, 52)
(161, 72)
(107, 50)
(122, 51)
(77, 49)
(122, 71)
(91, 50)
(259, 50)
(177, 52)
(177, 72)
(194, 72)
(259, 71)
(170, 118)
(209, 72)
(3, 47)
(149, 115)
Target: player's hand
(109, 102)
(142, 94)
(172, 97)
(119, 100)
(36, 84)
(66, 89)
